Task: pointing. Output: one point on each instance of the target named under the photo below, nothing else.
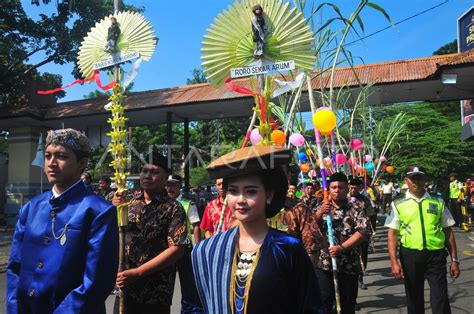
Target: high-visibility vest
(420, 223)
(454, 190)
(186, 204)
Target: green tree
(51, 39)
(199, 176)
(197, 77)
(452, 47)
(432, 139)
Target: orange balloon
(304, 167)
(326, 133)
(389, 169)
(278, 137)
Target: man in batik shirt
(350, 227)
(213, 211)
(156, 240)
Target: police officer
(455, 188)
(424, 225)
(190, 302)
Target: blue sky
(180, 25)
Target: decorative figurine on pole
(112, 36)
(258, 29)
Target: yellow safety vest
(420, 223)
(186, 205)
(454, 190)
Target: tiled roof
(376, 73)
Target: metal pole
(186, 153)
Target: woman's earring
(269, 201)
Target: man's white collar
(408, 195)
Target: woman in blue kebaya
(64, 254)
(253, 268)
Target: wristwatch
(455, 260)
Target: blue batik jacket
(64, 254)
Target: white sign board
(116, 59)
(262, 68)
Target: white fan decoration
(136, 34)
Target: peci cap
(355, 181)
(159, 160)
(414, 171)
(338, 177)
(247, 160)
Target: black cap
(174, 178)
(159, 160)
(414, 171)
(338, 177)
(355, 181)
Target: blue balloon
(369, 166)
(302, 157)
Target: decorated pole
(324, 121)
(259, 47)
(121, 37)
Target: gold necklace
(236, 277)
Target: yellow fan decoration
(136, 35)
(229, 41)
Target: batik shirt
(153, 228)
(365, 203)
(212, 216)
(347, 220)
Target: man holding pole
(156, 240)
(350, 227)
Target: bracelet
(455, 260)
(343, 247)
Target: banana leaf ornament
(229, 42)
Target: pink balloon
(297, 139)
(352, 161)
(255, 137)
(356, 144)
(368, 158)
(383, 158)
(340, 159)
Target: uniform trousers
(347, 290)
(418, 266)
(455, 209)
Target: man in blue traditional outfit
(64, 254)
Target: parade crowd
(257, 243)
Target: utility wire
(397, 23)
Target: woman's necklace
(243, 268)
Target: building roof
(395, 81)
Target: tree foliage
(432, 139)
(50, 39)
(452, 47)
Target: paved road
(384, 294)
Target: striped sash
(212, 264)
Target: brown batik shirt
(347, 220)
(152, 228)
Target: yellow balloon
(278, 137)
(324, 120)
